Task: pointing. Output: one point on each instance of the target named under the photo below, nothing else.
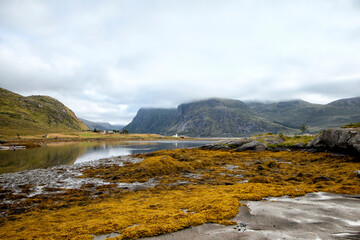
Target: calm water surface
(71, 153)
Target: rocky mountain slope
(35, 115)
(227, 117)
(212, 117)
(153, 120)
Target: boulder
(255, 146)
(298, 145)
(221, 147)
(347, 139)
(239, 142)
(215, 147)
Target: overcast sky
(106, 59)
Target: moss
(352, 125)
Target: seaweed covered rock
(343, 139)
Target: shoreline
(314, 216)
(38, 142)
(159, 189)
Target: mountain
(229, 118)
(208, 118)
(35, 115)
(318, 117)
(152, 120)
(101, 125)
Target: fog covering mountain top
(106, 59)
(217, 117)
(101, 125)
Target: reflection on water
(69, 153)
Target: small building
(175, 136)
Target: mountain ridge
(219, 117)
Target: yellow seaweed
(195, 187)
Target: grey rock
(221, 147)
(298, 145)
(255, 145)
(239, 143)
(215, 147)
(346, 139)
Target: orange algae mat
(194, 187)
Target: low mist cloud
(106, 60)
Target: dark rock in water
(255, 146)
(345, 139)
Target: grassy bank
(85, 136)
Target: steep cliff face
(152, 120)
(35, 114)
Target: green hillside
(35, 115)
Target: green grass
(352, 125)
(34, 115)
(290, 141)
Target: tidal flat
(146, 195)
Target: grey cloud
(105, 60)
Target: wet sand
(314, 216)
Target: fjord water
(55, 154)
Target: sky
(106, 59)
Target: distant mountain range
(218, 117)
(213, 117)
(101, 125)
(35, 115)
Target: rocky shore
(343, 140)
(211, 192)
